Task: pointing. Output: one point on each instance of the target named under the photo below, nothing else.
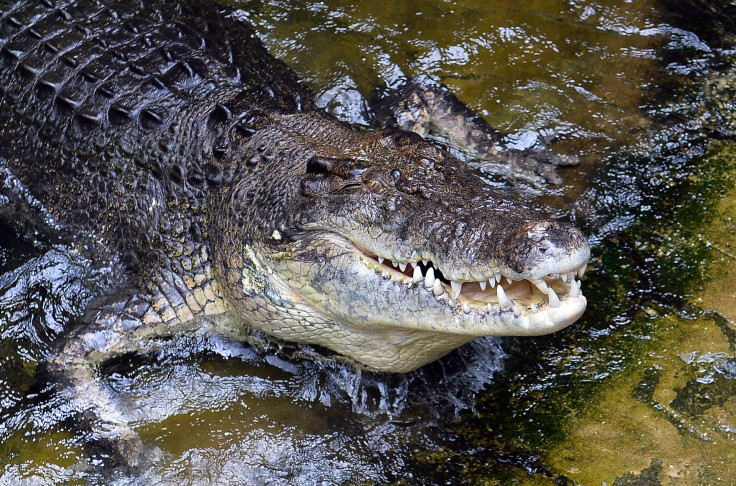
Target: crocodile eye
(374, 186)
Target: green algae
(642, 390)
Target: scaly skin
(162, 133)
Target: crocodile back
(119, 115)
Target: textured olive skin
(121, 118)
(163, 134)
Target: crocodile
(161, 135)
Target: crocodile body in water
(163, 135)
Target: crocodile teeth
(554, 301)
(574, 289)
(417, 274)
(456, 288)
(437, 289)
(412, 270)
(502, 299)
(429, 278)
(542, 286)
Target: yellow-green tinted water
(676, 403)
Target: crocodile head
(394, 254)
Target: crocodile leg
(133, 321)
(432, 111)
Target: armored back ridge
(162, 133)
(120, 118)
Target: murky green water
(643, 388)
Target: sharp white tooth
(542, 286)
(498, 277)
(581, 270)
(457, 287)
(385, 274)
(509, 280)
(466, 308)
(574, 289)
(534, 308)
(502, 299)
(429, 278)
(483, 285)
(452, 303)
(424, 261)
(570, 276)
(554, 301)
(394, 262)
(490, 308)
(380, 259)
(492, 281)
(563, 276)
(437, 289)
(554, 275)
(418, 274)
(402, 266)
(517, 311)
